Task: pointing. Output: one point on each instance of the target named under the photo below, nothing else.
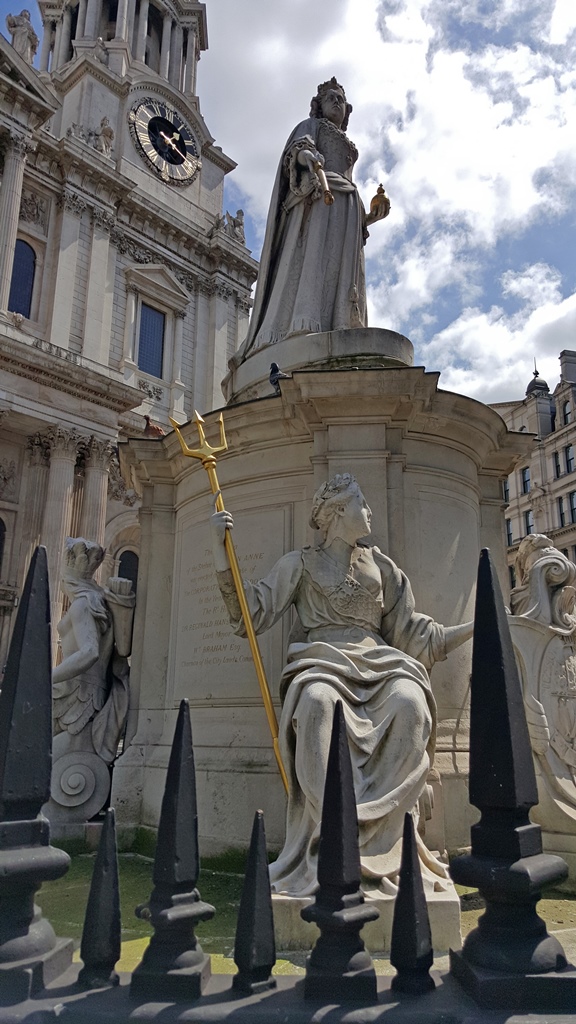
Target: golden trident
(207, 454)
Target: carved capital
(244, 305)
(98, 454)
(180, 314)
(103, 219)
(38, 448)
(18, 144)
(63, 443)
(206, 288)
(71, 202)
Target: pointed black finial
(255, 948)
(26, 702)
(174, 965)
(411, 948)
(101, 936)
(339, 967)
(509, 960)
(502, 778)
(30, 954)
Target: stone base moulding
(292, 933)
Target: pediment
(155, 280)
(20, 84)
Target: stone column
(65, 35)
(37, 482)
(218, 357)
(72, 207)
(165, 49)
(46, 45)
(142, 32)
(81, 22)
(92, 25)
(58, 507)
(122, 20)
(57, 38)
(175, 56)
(189, 75)
(93, 516)
(16, 150)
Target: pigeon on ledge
(276, 375)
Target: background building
(123, 288)
(541, 492)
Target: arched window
(22, 283)
(128, 567)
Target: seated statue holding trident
(362, 643)
(311, 276)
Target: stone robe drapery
(366, 645)
(311, 274)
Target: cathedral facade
(123, 288)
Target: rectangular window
(574, 554)
(565, 552)
(566, 414)
(151, 340)
(569, 458)
(506, 491)
(529, 521)
(509, 532)
(525, 478)
(561, 512)
(572, 502)
(557, 469)
(512, 577)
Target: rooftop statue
(361, 641)
(24, 38)
(311, 275)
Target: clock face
(165, 140)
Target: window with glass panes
(509, 532)
(569, 458)
(525, 479)
(529, 521)
(506, 490)
(561, 512)
(572, 504)
(22, 283)
(151, 340)
(512, 575)
(557, 468)
(566, 414)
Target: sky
(466, 111)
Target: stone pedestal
(357, 347)
(430, 464)
(292, 933)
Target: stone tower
(123, 291)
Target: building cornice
(65, 372)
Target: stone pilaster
(72, 206)
(17, 147)
(93, 517)
(100, 293)
(177, 389)
(130, 323)
(190, 72)
(122, 20)
(37, 482)
(65, 33)
(58, 507)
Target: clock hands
(170, 141)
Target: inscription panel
(210, 663)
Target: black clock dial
(165, 140)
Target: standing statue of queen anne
(362, 643)
(311, 274)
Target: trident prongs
(205, 452)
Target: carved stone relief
(34, 210)
(117, 489)
(543, 628)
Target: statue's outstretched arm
(454, 636)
